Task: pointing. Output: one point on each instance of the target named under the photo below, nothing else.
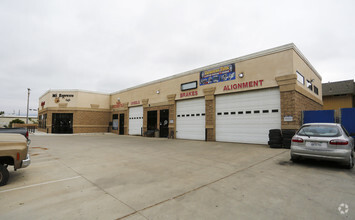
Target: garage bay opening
(152, 120)
(121, 131)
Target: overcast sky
(107, 45)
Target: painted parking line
(40, 184)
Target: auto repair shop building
(237, 100)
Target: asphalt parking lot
(105, 176)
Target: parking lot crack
(204, 185)
(99, 187)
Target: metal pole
(28, 102)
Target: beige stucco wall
(264, 68)
(302, 67)
(276, 67)
(80, 99)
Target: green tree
(2, 112)
(16, 121)
(33, 121)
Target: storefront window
(42, 121)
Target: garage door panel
(135, 120)
(190, 120)
(247, 117)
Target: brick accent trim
(292, 104)
(210, 117)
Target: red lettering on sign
(135, 103)
(243, 85)
(118, 105)
(187, 94)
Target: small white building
(6, 119)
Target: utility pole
(28, 102)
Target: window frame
(299, 76)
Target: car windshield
(319, 131)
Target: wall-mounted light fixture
(118, 99)
(241, 75)
(157, 91)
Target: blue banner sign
(218, 74)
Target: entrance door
(62, 123)
(152, 120)
(121, 124)
(164, 123)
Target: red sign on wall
(244, 85)
(135, 103)
(187, 94)
(118, 105)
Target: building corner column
(287, 86)
(172, 116)
(145, 115)
(210, 111)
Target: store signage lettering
(218, 74)
(187, 94)
(43, 103)
(135, 103)
(244, 85)
(63, 96)
(118, 105)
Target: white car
(324, 141)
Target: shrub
(16, 121)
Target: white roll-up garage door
(135, 120)
(247, 117)
(190, 119)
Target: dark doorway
(164, 123)
(121, 124)
(115, 122)
(152, 120)
(62, 123)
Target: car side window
(345, 131)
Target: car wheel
(295, 159)
(4, 175)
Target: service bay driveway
(105, 176)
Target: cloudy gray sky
(109, 45)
